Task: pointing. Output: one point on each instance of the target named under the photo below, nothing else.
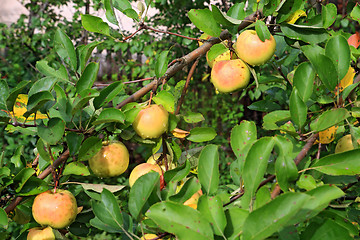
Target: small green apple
(230, 75)
(112, 160)
(55, 209)
(252, 50)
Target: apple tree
(294, 169)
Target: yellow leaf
(295, 16)
(328, 135)
(20, 109)
(178, 133)
(347, 80)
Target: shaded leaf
(53, 132)
(108, 94)
(88, 77)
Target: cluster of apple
(56, 209)
(230, 72)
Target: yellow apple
(252, 50)
(154, 158)
(39, 233)
(142, 169)
(151, 122)
(345, 144)
(57, 210)
(230, 75)
(112, 160)
(150, 236)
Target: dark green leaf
(22, 177)
(304, 77)
(141, 191)
(222, 18)
(328, 13)
(41, 148)
(298, 109)
(203, 19)
(10, 101)
(108, 94)
(212, 209)
(264, 106)
(161, 64)
(190, 187)
(255, 167)
(178, 173)
(345, 163)
(36, 101)
(182, 221)
(88, 77)
(262, 31)
(201, 134)
(83, 98)
(65, 48)
(74, 141)
(3, 219)
(329, 229)
(110, 115)
(287, 8)
(33, 186)
(235, 218)
(208, 169)
(53, 132)
(95, 24)
(84, 52)
(264, 221)
(4, 94)
(329, 119)
(89, 148)
(338, 50)
(76, 168)
(308, 35)
(97, 223)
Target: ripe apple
(57, 210)
(112, 160)
(192, 202)
(142, 169)
(149, 236)
(39, 233)
(154, 158)
(230, 75)
(345, 144)
(252, 50)
(151, 122)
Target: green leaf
(285, 167)
(141, 191)
(208, 169)
(161, 64)
(201, 134)
(88, 77)
(84, 53)
(304, 33)
(264, 221)
(264, 106)
(329, 229)
(43, 84)
(108, 94)
(215, 51)
(53, 132)
(306, 182)
(236, 11)
(83, 98)
(89, 148)
(328, 13)
(287, 8)
(131, 13)
(203, 19)
(182, 221)
(222, 18)
(122, 5)
(304, 77)
(345, 163)
(329, 118)
(4, 94)
(108, 210)
(298, 109)
(40, 146)
(109, 115)
(262, 31)
(110, 14)
(190, 187)
(192, 117)
(338, 50)
(262, 197)
(3, 219)
(76, 168)
(177, 174)
(274, 120)
(355, 13)
(10, 101)
(99, 187)
(74, 141)
(65, 48)
(22, 177)
(48, 71)
(33, 186)
(241, 139)
(36, 101)
(255, 167)
(212, 209)
(95, 24)
(235, 218)
(97, 223)
(4, 117)
(323, 66)
(166, 99)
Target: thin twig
(133, 34)
(170, 33)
